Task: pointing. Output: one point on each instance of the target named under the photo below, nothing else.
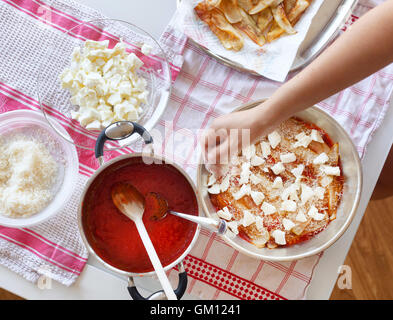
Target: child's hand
(229, 133)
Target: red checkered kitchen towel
(203, 90)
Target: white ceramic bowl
(26, 121)
(352, 170)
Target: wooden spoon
(131, 203)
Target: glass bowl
(32, 123)
(55, 101)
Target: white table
(96, 283)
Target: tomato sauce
(114, 237)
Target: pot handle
(160, 295)
(118, 131)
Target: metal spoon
(162, 209)
(131, 203)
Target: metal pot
(119, 131)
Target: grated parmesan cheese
(27, 175)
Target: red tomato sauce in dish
(114, 237)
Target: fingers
(211, 140)
(215, 149)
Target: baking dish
(352, 170)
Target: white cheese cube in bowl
(119, 63)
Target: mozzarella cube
(249, 151)
(316, 136)
(134, 62)
(314, 214)
(304, 141)
(298, 171)
(115, 99)
(274, 139)
(125, 88)
(288, 224)
(132, 115)
(277, 184)
(307, 193)
(320, 193)
(257, 197)
(331, 171)
(290, 192)
(278, 168)
(224, 213)
(326, 180)
(225, 183)
(279, 237)
(321, 159)
(257, 161)
(301, 217)
(288, 157)
(259, 223)
(289, 206)
(94, 125)
(268, 208)
(245, 173)
(244, 190)
(255, 179)
(266, 151)
(88, 115)
(248, 218)
(300, 136)
(233, 226)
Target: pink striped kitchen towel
(53, 248)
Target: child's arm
(363, 49)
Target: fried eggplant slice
(334, 155)
(263, 4)
(246, 5)
(264, 19)
(229, 37)
(250, 28)
(282, 20)
(289, 5)
(296, 12)
(261, 240)
(275, 32)
(318, 147)
(231, 10)
(297, 8)
(213, 3)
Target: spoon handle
(218, 226)
(155, 260)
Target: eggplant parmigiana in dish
(282, 190)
